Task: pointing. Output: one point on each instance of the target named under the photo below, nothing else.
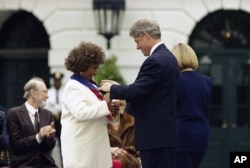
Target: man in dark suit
(31, 129)
(152, 97)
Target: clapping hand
(47, 131)
(51, 131)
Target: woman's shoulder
(193, 75)
(73, 84)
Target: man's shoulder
(16, 108)
(16, 111)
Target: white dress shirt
(32, 111)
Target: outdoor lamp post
(108, 17)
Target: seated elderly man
(31, 129)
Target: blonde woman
(192, 108)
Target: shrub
(109, 70)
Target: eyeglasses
(44, 91)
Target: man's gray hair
(145, 25)
(31, 84)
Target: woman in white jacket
(85, 112)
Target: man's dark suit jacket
(22, 136)
(152, 99)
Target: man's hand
(52, 131)
(47, 131)
(105, 85)
(110, 81)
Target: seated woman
(121, 135)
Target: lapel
(24, 114)
(41, 117)
(44, 117)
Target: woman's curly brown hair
(84, 56)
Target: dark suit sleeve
(128, 108)
(144, 83)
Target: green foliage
(109, 70)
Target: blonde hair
(186, 56)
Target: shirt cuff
(37, 139)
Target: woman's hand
(114, 107)
(116, 152)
